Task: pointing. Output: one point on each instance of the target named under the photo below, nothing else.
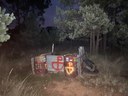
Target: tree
(69, 3)
(89, 21)
(30, 33)
(21, 8)
(120, 37)
(117, 11)
(5, 20)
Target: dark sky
(50, 13)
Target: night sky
(50, 13)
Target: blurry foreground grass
(29, 86)
(112, 75)
(13, 86)
(16, 78)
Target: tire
(89, 66)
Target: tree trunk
(94, 42)
(104, 42)
(91, 42)
(97, 43)
(18, 12)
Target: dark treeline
(69, 18)
(27, 31)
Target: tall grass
(15, 78)
(15, 87)
(11, 83)
(110, 74)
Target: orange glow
(45, 65)
(70, 64)
(69, 68)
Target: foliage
(81, 22)
(119, 38)
(5, 20)
(86, 21)
(53, 34)
(117, 11)
(21, 8)
(34, 36)
(31, 33)
(123, 32)
(69, 3)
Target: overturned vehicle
(70, 64)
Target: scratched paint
(71, 65)
(39, 65)
(55, 63)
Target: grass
(16, 78)
(14, 87)
(110, 75)
(29, 86)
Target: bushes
(5, 20)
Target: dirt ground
(75, 88)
